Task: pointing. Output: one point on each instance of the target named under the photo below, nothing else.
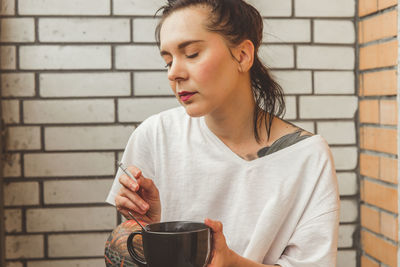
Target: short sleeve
(314, 243)
(138, 152)
(314, 240)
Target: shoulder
(164, 118)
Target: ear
(245, 55)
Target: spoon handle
(133, 217)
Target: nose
(177, 71)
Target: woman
(226, 154)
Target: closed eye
(193, 55)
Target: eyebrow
(181, 46)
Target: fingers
(130, 200)
(127, 182)
(216, 226)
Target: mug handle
(132, 252)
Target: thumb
(216, 226)
(147, 184)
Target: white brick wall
(325, 8)
(64, 7)
(323, 57)
(81, 138)
(68, 164)
(17, 84)
(8, 59)
(68, 111)
(76, 245)
(84, 30)
(85, 84)
(17, 30)
(77, 77)
(287, 30)
(59, 57)
(66, 219)
(7, 7)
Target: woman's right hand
(141, 198)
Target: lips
(185, 95)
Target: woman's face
(201, 70)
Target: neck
(234, 123)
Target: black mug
(173, 244)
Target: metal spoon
(133, 217)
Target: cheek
(213, 69)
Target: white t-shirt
(282, 208)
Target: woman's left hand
(221, 256)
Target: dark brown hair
(237, 21)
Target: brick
(345, 157)
(378, 27)
(76, 245)
(346, 258)
(338, 132)
(23, 138)
(348, 210)
(388, 170)
(64, 7)
(378, 55)
(136, 7)
(382, 4)
(287, 31)
(329, 57)
(379, 83)
(369, 111)
(68, 111)
(81, 138)
(137, 110)
(346, 233)
(388, 112)
(67, 263)
(10, 111)
(277, 56)
(8, 57)
(65, 219)
(347, 183)
(144, 29)
(334, 31)
(389, 226)
(380, 195)
(68, 164)
(13, 220)
(17, 84)
(24, 246)
(294, 82)
(18, 30)
(272, 8)
(138, 57)
(85, 84)
(325, 8)
(368, 262)
(62, 57)
(84, 30)
(370, 219)
(334, 82)
(369, 165)
(7, 7)
(76, 191)
(14, 264)
(326, 107)
(11, 165)
(379, 139)
(21, 193)
(379, 248)
(366, 7)
(151, 83)
(291, 108)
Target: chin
(194, 111)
